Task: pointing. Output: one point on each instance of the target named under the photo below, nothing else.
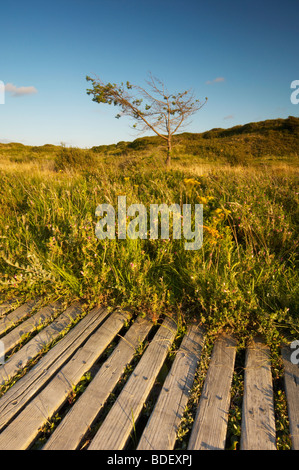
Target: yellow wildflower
(202, 200)
(191, 182)
(221, 213)
(226, 211)
(212, 231)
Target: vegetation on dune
(245, 276)
(243, 279)
(255, 142)
(154, 108)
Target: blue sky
(242, 55)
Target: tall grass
(244, 277)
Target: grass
(244, 278)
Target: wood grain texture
(8, 321)
(161, 430)
(120, 421)
(22, 357)
(291, 378)
(9, 305)
(81, 416)
(33, 399)
(258, 419)
(210, 425)
(42, 316)
(22, 431)
(16, 398)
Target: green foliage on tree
(155, 108)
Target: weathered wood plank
(21, 358)
(21, 433)
(161, 429)
(116, 428)
(258, 419)
(8, 305)
(81, 416)
(291, 379)
(15, 336)
(210, 425)
(25, 388)
(17, 315)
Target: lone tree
(156, 109)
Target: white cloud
(216, 80)
(20, 91)
(230, 116)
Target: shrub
(72, 158)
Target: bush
(72, 158)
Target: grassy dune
(244, 278)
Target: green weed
(244, 277)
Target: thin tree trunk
(168, 159)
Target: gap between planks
(161, 430)
(30, 350)
(258, 419)
(291, 379)
(8, 305)
(15, 337)
(120, 421)
(82, 415)
(8, 321)
(14, 400)
(210, 424)
(24, 429)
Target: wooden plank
(161, 430)
(291, 379)
(25, 388)
(22, 431)
(81, 416)
(258, 419)
(31, 349)
(210, 425)
(116, 428)
(17, 315)
(13, 338)
(8, 305)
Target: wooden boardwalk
(49, 348)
